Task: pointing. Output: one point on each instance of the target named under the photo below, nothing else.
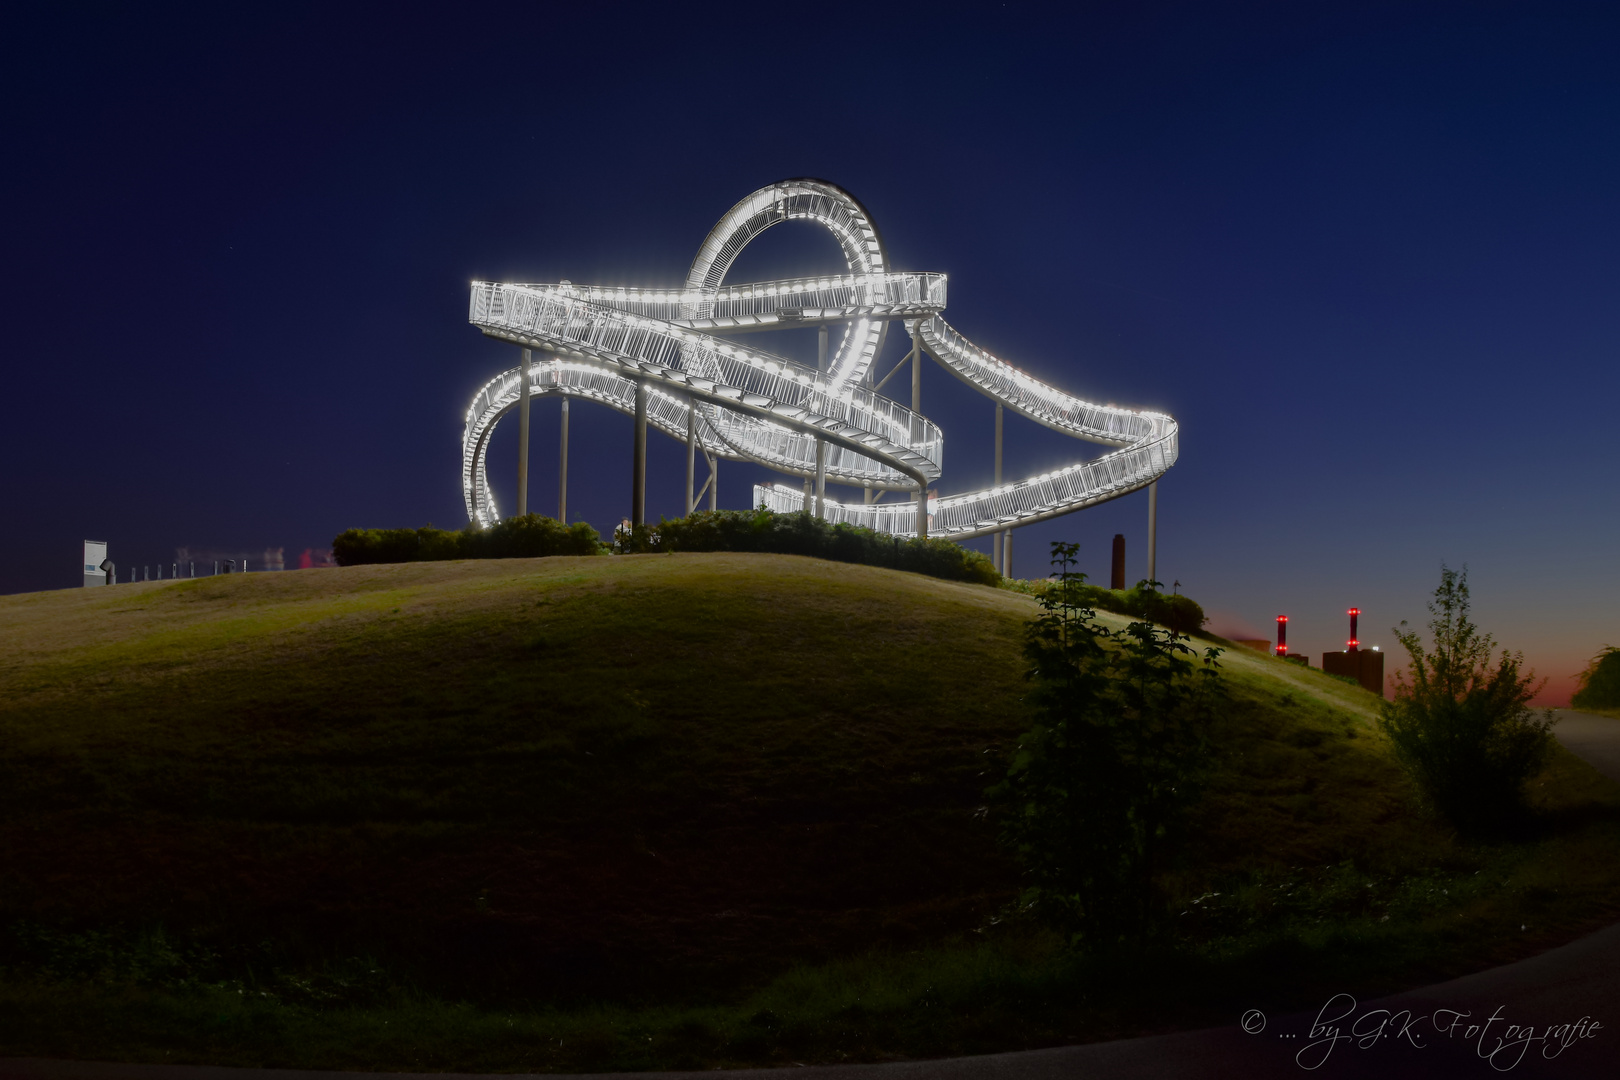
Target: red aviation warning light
(1282, 635)
(1355, 645)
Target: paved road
(1595, 738)
(1568, 998)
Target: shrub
(1463, 727)
(706, 530)
(1181, 614)
(1178, 613)
(763, 530)
(527, 537)
(1098, 790)
(1600, 682)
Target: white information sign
(95, 553)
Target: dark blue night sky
(1366, 255)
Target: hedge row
(802, 534)
(533, 536)
(527, 537)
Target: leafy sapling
(1097, 793)
(1461, 722)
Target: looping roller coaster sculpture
(657, 354)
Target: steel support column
(562, 467)
(995, 542)
(821, 478)
(714, 483)
(638, 466)
(922, 511)
(1153, 528)
(916, 372)
(691, 455)
(523, 434)
(821, 447)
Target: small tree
(1462, 725)
(1098, 789)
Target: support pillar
(821, 447)
(1153, 527)
(996, 541)
(821, 478)
(916, 371)
(562, 468)
(714, 483)
(922, 511)
(691, 455)
(1006, 554)
(638, 467)
(523, 434)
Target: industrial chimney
(1282, 635)
(1116, 579)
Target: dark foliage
(527, 537)
(1462, 726)
(1600, 682)
(1098, 791)
(1181, 614)
(802, 534)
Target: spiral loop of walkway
(747, 404)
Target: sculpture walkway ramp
(655, 353)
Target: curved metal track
(756, 406)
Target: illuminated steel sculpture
(615, 345)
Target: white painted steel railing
(757, 406)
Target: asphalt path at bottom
(1553, 1015)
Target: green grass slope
(537, 772)
(655, 782)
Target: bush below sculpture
(527, 537)
(761, 531)
(767, 532)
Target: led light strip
(756, 406)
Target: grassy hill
(680, 810)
